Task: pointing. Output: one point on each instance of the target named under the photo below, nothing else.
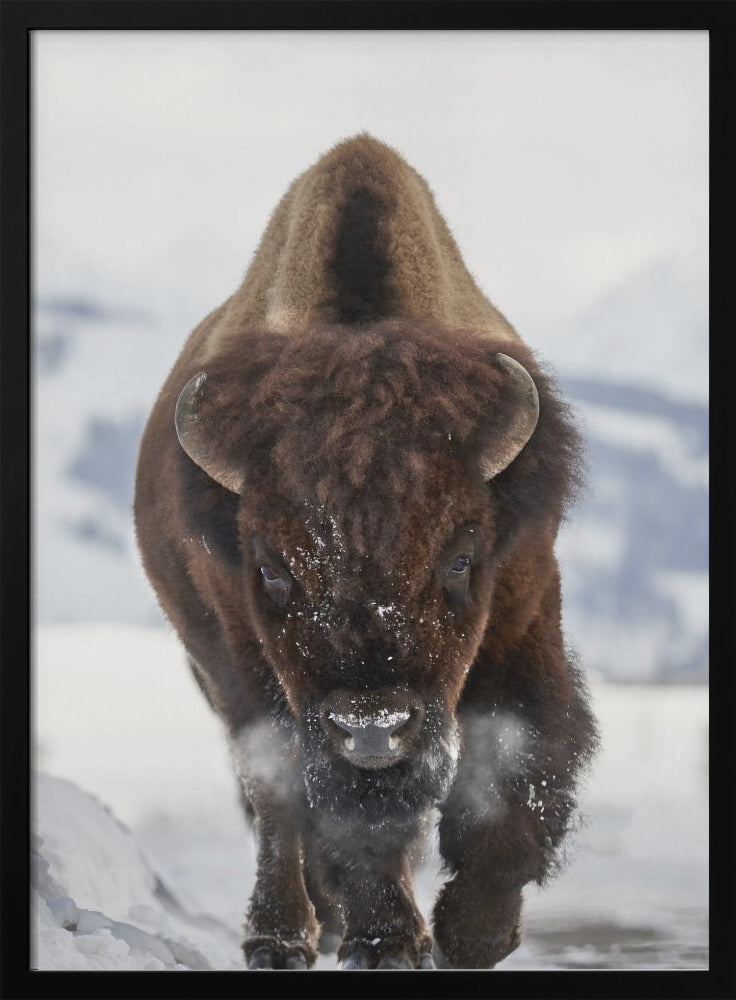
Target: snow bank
(97, 901)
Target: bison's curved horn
(194, 439)
(526, 414)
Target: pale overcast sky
(564, 162)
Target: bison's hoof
(278, 955)
(475, 953)
(386, 953)
(262, 958)
(355, 958)
(395, 962)
(438, 957)
(296, 962)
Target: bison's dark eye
(455, 567)
(461, 565)
(277, 585)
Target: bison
(347, 499)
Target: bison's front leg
(507, 813)
(477, 913)
(281, 928)
(371, 879)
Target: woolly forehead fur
(380, 424)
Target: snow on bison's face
(368, 538)
(372, 645)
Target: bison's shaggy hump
(357, 237)
(363, 419)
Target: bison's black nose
(369, 739)
(374, 728)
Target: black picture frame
(19, 18)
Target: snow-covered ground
(142, 860)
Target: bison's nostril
(370, 737)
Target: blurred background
(572, 168)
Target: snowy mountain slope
(90, 404)
(649, 330)
(634, 554)
(169, 891)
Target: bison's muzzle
(371, 729)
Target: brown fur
(352, 380)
